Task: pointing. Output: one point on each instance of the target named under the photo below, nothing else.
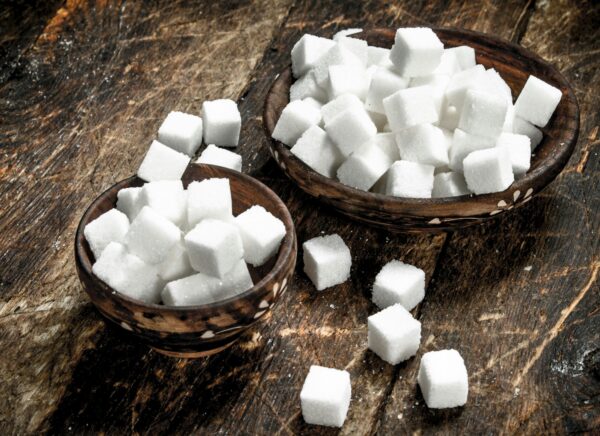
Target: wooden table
(83, 89)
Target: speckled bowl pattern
(515, 64)
(194, 331)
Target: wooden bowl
(515, 64)
(194, 331)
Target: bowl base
(193, 354)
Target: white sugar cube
(464, 143)
(417, 51)
(393, 334)
(295, 119)
(522, 127)
(384, 83)
(498, 85)
(325, 396)
(488, 170)
(167, 198)
(399, 283)
(483, 114)
(306, 86)
(449, 64)
(519, 150)
(316, 150)
(336, 55)
(181, 132)
(327, 261)
(378, 56)
(350, 129)
(437, 84)
(387, 142)
(380, 120)
(443, 379)
(423, 143)
(410, 179)
(128, 202)
(176, 265)
(307, 51)
(409, 107)
(364, 166)
(214, 247)
(338, 105)
(509, 119)
(313, 102)
(151, 236)
(210, 198)
(214, 155)
(461, 82)
(537, 101)
(358, 47)
(222, 122)
(449, 116)
(128, 274)
(111, 226)
(162, 163)
(449, 184)
(347, 79)
(261, 233)
(465, 56)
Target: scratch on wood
(585, 152)
(490, 316)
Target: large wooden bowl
(515, 64)
(194, 331)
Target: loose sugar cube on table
(350, 129)
(393, 334)
(128, 274)
(443, 379)
(364, 167)
(111, 226)
(162, 163)
(295, 119)
(537, 101)
(488, 170)
(210, 198)
(336, 55)
(167, 198)
(176, 265)
(464, 143)
(222, 122)
(151, 236)
(327, 261)
(128, 202)
(316, 150)
(378, 56)
(347, 79)
(423, 143)
(214, 247)
(181, 132)
(399, 283)
(449, 184)
(465, 56)
(417, 51)
(519, 150)
(338, 105)
(410, 179)
(522, 127)
(483, 114)
(409, 107)
(384, 83)
(325, 396)
(214, 155)
(261, 234)
(306, 86)
(307, 51)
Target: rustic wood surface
(83, 88)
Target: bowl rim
(285, 251)
(555, 162)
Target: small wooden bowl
(194, 331)
(515, 64)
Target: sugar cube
(306, 86)
(498, 85)
(151, 236)
(449, 64)
(509, 119)
(128, 202)
(210, 198)
(214, 247)
(378, 56)
(167, 198)
(537, 101)
(423, 143)
(364, 167)
(222, 122)
(325, 396)
(488, 170)
(336, 55)
(387, 142)
(347, 79)
(443, 379)
(176, 265)
(162, 163)
(295, 119)
(465, 56)
(358, 47)
(410, 179)
(417, 51)
(483, 114)
(519, 150)
(437, 85)
(128, 274)
(379, 119)
(449, 116)
(261, 233)
(384, 83)
(313, 102)
(399, 283)
(522, 127)
(449, 184)
(214, 155)
(109, 227)
(393, 334)
(316, 150)
(307, 51)
(182, 132)
(461, 82)
(409, 107)
(350, 129)
(338, 105)
(464, 143)
(327, 261)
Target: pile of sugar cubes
(183, 246)
(416, 120)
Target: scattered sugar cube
(176, 265)
(464, 143)
(519, 150)
(410, 179)
(443, 379)
(325, 396)
(364, 167)
(295, 119)
(423, 143)
(306, 86)
(128, 202)
(327, 261)
(449, 184)
(336, 55)
(483, 114)
(162, 163)
(399, 283)
(214, 155)
(522, 127)
(384, 83)
(128, 274)
(338, 105)
(167, 198)
(210, 198)
(111, 226)
(181, 132)
(222, 122)
(393, 334)
(214, 247)
(409, 107)
(307, 51)
(488, 170)
(465, 56)
(151, 236)
(417, 51)
(350, 129)
(261, 233)
(537, 101)
(316, 150)
(347, 79)
(378, 56)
